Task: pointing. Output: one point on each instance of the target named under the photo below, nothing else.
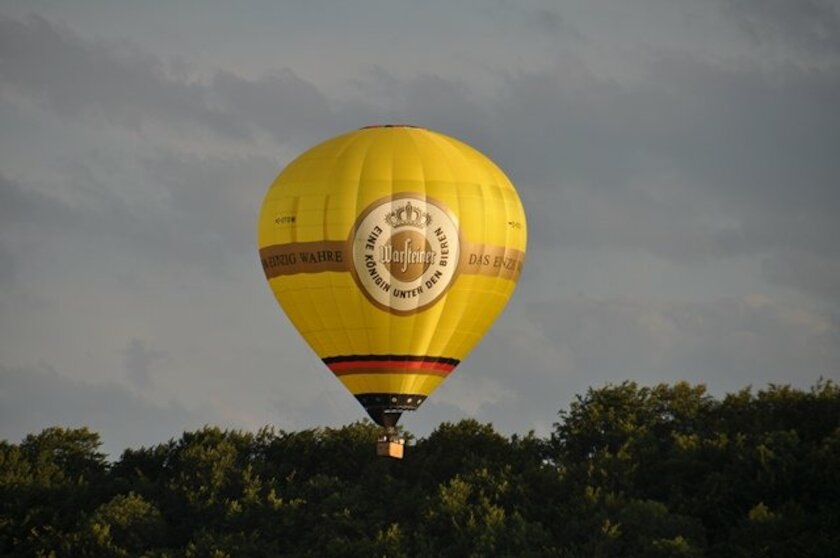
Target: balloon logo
(405, 256)
(392, 249)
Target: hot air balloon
(392, 249)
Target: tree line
(626, 471)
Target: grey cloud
(31, 215)
(746, 131)
(812, 25)
(35, 397)
(25, 217)
(35, 220)
(23, 206)
(552, 22)
(695, 161)
(7, 270)
(139, 359)
(75, 77)
(705, 153)
(332, 405)
(213, 202)
(10, 208)
(751, 337)
(553, 350)
(761, 146)
(699, 162)
(432, 101)
(206, 220)
(289, 107)
(805, 271)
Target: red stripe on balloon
(402, 364)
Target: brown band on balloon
(334, 255)
(491, 261)
(304, 257)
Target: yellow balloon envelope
(392, 249)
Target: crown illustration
(408, 216)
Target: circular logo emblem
(405, 252)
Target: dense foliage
(627, 471)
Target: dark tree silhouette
(627, 471)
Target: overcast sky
(679, 163)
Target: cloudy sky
(679, 163)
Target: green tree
(628, 471)
(46, 483)
(126, 525)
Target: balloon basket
(388, 446)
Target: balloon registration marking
(405, 252)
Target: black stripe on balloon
(397, 358)
(390, 401)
